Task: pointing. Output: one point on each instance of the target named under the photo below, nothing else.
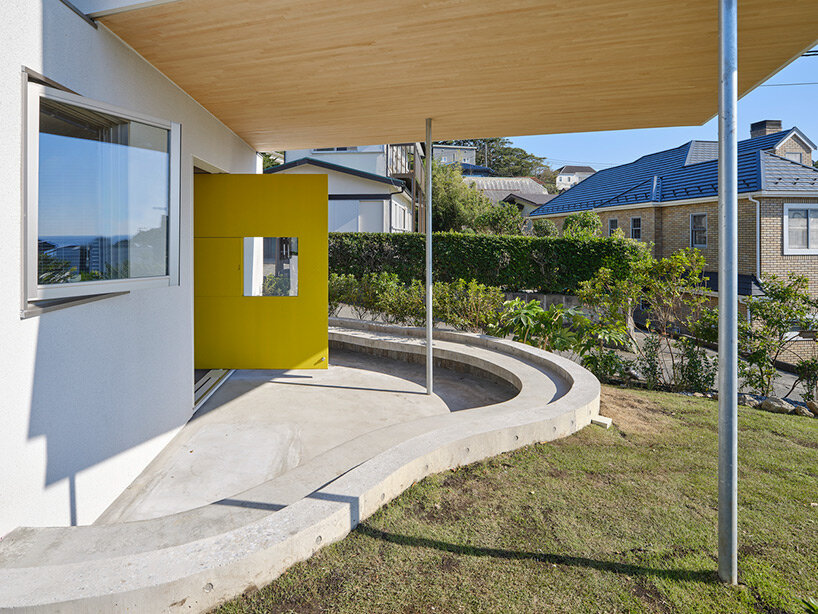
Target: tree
(272, 159)
(501, 219)
(456, 205)
(544, 228)
(584, 224)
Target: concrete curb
(195, 560)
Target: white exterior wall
(371, 158)
(90, 393)
(355, 215)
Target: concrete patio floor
(261, 424)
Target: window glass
(813, 228)
(698, 230)
(795, 156)
(270, 266)
(797, 229)
(636, 228)
(613, 224)
(103, 196)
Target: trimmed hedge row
(513, 263)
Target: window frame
(636, 217)
(800, 155)
(612, 230)
(692, 241)
(33, 290)
(785, 227)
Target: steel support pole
(429, 356)
(728, 290)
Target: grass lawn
(622, 520)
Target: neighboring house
(670, 198)
(569, 176)
(455, 153)
(359, 201)
(525, 192)
(402, 162)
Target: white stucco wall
(91, 393)
(370, 158)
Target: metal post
(429, 356)
(728, 291)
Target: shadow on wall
(87, 403)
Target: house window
(333, 149)
(795, 156)
(613, 224)
(102, 198)
(698, 230)
(636, 228)
(444, 159)
(800, 229)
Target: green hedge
(513, 263)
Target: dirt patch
(650, 595)
(631, 413)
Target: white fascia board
(101, 8)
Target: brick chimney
(767, 126)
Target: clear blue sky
(793, 105)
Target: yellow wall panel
(233, 331)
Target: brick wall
(795, 145)
(675, 232)
(773, 260)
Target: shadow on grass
(682, 575)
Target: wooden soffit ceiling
(288, 74)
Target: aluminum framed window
(636, 228)
(800, 229)
(698, 230)
(102, 190)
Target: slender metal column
(728, 290)
(429, 356)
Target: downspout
(758, 247)
(758, 235)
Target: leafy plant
(697, 371)
(810, 605)
(513, 263)
(775, 319)
(502, 219)
(649, 362)
(593, 347)
(544, 228)
(807, 371)
(529, 323)
(581, 225)
(456, 204)
(671, 290)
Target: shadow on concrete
(686, 575)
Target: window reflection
(103, 197)
(270, 266)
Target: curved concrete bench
(196, 559)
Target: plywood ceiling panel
(286, 74)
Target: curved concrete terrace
(195, 559)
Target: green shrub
(468, 306)
(544, 228)
(513, 263)
(582, 225)
(784, 308)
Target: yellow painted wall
(232, 331)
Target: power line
(788, 84)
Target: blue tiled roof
(688, 171)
